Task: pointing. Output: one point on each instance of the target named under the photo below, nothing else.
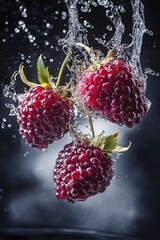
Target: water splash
(130, 52)
(10, 92)
(76, 32)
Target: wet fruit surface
(81, 171)
(112, 92)
(43, 116)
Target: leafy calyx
(108, 144)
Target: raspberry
(81, 171)
(113, 92)
(43, 116)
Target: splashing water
(10, 92)
(130, 52)
(78, 32)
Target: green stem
(61, 71)
(90, 123)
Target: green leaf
(110, 143)
(43, 73)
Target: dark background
(131, 206)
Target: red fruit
(81, 171)
(43, 116)
(113, 92)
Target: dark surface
(132, 206)
(78, 234)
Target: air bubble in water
(109, 28)
(86, 9)
(149, 71)
(121, 9)
(109, 13)
(103, 2)
(87, 24)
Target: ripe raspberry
(81, 171)
(43, 116)
(113, 92)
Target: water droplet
(49, 25)
(149, 71)
(22, 56)
(16, 30)
(109, 14)
(3, 125)
(46, 43)
(87, 24)
(31, 38)
(121, 9)
(22, 24)
(109, 28)
(56, 12)
(23, 11)
(64, 15)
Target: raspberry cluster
(45, 113)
